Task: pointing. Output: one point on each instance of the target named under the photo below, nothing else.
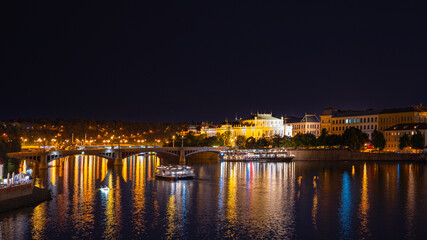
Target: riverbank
(38, 196)
(345, 155)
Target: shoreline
(346, 155)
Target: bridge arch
(203, 151)
(133, 153)
(29, 159)
(51, 158)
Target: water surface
(299, 200)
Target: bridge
(42, 158)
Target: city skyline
(213, 119)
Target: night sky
(207, 61)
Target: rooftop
(292, 119)
(262, 116)
(419, 108)
(408, 126)
(306, 118)
(350, 113)
(310, 118)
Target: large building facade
(337, 121)
(393, 134)
(307, 124)
(256, 126)
(393, 116)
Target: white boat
(105, 189)
(260, 155)
(175, 172)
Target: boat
(175, 172)
(105, 189)
(260, 155)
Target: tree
(263, 142)
(334, 140)
(240, 141)
(277, 141)
(418, 141)
(322, 139)
(226, 136)
(354, 138)
(304, 140)
(251, 143)
(378, 140)
(404, 141)
(287, 141)
(213, 141)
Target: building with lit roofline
(336, 121)
(256, 126)
(393, 116)
(393, 134)
(310, 123)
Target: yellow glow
(125, 169)
(39, 221)
(171, 215)
(314, 209)
(232, 192)
(364, 202)
(52, 174)
(411, 203)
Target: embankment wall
(16, 191)
(320, 154)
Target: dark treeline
(353, 138)
(415, 141)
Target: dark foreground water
(300, 200)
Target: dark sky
(207, 61)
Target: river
(297, 200)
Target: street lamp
(173, 141)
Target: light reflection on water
(364, 205)
(345, 207)
(302, 200)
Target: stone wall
(38, 195)
(307, 154)
(16, 191)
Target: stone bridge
(43, 158)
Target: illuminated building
(393, 116)
(336, 121)
(257, 126)
(306, 124)
(393, 134)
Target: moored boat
(105, 189)
(175, 172)
(261, 155)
